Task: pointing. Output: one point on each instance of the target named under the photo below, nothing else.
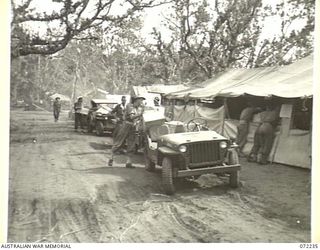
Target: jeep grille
(204, 152)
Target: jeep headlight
(183, 148)
(223, 144)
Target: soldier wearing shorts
(127, 134)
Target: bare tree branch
(73, 24)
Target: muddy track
(62, 191)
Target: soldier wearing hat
(78, 105)
(156, 101)
(118, 111)
(56, 109)
(132, 122)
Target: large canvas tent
(63, 98)
(165, 89)
(290, 81)
(289, 84)
(143, 91)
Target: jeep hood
(104, 110)
(190, 137)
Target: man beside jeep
(132, 120)
(118, 111)
(78, 105)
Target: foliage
(68, 20)
(84, 53)
(290, 43)
(207, 39)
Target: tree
(290, 43)
(207, 38)
(68, 20)
(114, 62)
(212, 38)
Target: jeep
(189, 150)
(99, 116)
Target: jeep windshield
(107, 106)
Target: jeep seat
(156, 131)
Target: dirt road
(62, 191)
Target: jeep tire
(99, 128)
(234, 179)
(233, 159)
(167, 177)
(90, 123)
(148, 163)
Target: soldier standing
(156, 101)
(132, 119)
(264, 135)
(56, 109)
(118, 110)
(243, 127)
(78, 105)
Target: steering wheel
(197, 124)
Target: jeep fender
(172, 154)
(167, 151)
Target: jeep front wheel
(90, 123)
(235, 175)
(99, 128)
(167, 177)
(148, 163)
(233, 157)
(234, 179)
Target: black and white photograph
(161, 121)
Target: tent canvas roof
(62, 97)
(166, 89)
(139, 91)
(290, 81)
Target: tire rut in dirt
(201, 231)
(53, 221)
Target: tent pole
(224, 115)
(226, 108)
(310, 140)
(194, 110)
(276, 141)
(172, 104)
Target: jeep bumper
(207, 170)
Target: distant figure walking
(78, 105)
(56, 108)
